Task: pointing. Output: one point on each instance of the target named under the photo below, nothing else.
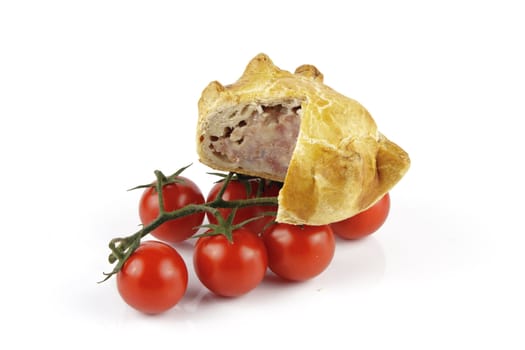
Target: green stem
(159, 184)
(206, 207)
(224, 185)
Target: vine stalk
(122, 247)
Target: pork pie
(292, 128)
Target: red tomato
(299, 252)
(364, 223)
(176, 196)
(230, 269)
(237, 190)
(271, 189)
(153, 279)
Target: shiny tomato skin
(230, 269)
(236, 190)
(176, 196)
(153, 279)
(364, 223)
(299, 252)
(271, 189)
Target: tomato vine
(122, 247)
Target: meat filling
(259, 137)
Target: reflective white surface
(95, 96)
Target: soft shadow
(359, 262)
(271, 279)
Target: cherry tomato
(153, 279)
(271, 189)
(364, 223)
(176, 196)
(299, 252)
(236, 190)
(230, 269)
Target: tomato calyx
(122, 247)
(226, 227)
(163, 180)
(245, 180)
(223, 227)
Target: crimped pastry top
(341, 164)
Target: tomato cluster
(154, 278)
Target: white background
(95, 95)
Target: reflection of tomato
(176, 196)
(236, 190)
(364, 223)
(230, 269)
(153, 279)
(301, 252)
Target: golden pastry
(292, 128)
